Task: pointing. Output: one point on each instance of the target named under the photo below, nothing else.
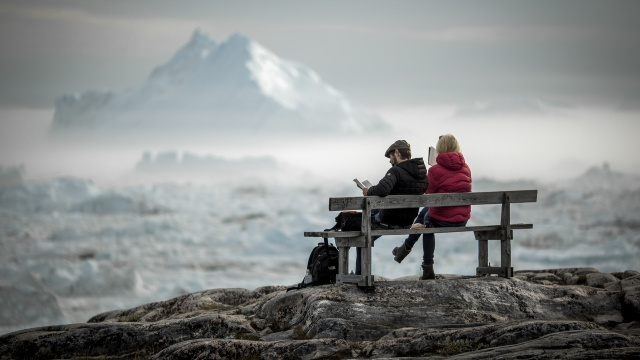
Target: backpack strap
(334, 228)
(297, 287)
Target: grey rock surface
(534, 315)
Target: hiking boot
(400, 253)
(427, 272)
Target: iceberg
(208, 89)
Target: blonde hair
(447, 143)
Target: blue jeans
(374, 225)
(428, 240)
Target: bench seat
(383, 232)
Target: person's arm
(384, 186)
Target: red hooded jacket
(450, 174)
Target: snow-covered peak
(200, 44)
(223, 88)
(290, 84)
(239, 40)
(187, 58)
(200, 39)
(275, 77)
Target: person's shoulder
(412, 162)
(392, 171)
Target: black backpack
(322, 266)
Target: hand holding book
(363, 185)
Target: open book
(431, 160)
(364, 184)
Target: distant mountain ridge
(234, 86)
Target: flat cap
(400, 144)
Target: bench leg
(505, 269)
(507, 235)
(365, 279)
(505, 257)
(344, 244)
(366, 260)
(483, 253)
(343, 277)
(343, 260)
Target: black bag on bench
(348, 221)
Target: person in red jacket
(450, 174)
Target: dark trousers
(428, 240)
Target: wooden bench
(362, 239)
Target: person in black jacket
(406, 176)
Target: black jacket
(406, 178)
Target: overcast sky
(389, 52)
(534, 88)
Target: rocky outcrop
(559, 314)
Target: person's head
(447, 143)
(398, 151)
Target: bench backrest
(432, 200)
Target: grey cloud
(374, 51)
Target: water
(71, 249)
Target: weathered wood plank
(332, 234)
(429, 200)
(365, 252)
(505, 244)
(505, 216)
(496, 234)
(350, 234)
(449, 229)
(346, 203)
(343, 260)
(366, 221)
(505, 253)
(483, 247)
(365, 260)
(483, 253)
(350, 242)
